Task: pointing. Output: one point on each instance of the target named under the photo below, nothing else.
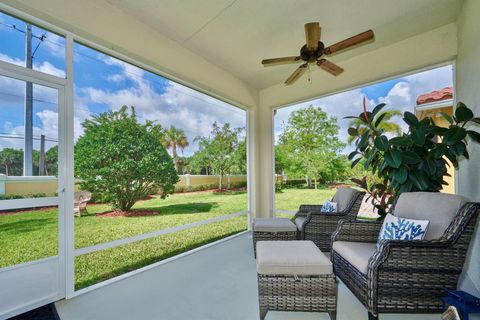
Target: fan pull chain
(309, 71)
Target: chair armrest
(310, 208)
(305, 209)
(358, 231)
(418, 254)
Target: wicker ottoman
(295, 276)
(273, 229)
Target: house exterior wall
(467, 80)
(442, 122)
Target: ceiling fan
(313, 51)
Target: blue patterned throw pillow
(329, 206)
(398, 228)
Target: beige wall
(442, 122)
(25, 185)
(31, 187)
(467, 91)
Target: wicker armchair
(406, 276)
(318, 226)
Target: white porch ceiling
(237, 34)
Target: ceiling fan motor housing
(312, 55)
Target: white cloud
(402, 96)
(178, 105)
(43, 66)
(115, 78)
(47, 67)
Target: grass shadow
(24, 226)
(228, 192)
(183, 208)
(173, 209)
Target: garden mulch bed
(128, 214)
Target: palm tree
(386, 125)
(175, 138)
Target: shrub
(121, 161)
(416, 160)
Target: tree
(51, 161)
(175, 138)
(219, 148)
(121, 161)
(416, 160)
(199, 163)
(11, 162)
(239, 165)
(309, 145)
(384, 117)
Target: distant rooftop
(435, 96)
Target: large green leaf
(458, 149)
(393, 158)
(410, 119)
(353, 132)
(400, 174)
(475, 136)
(381, 143)
(405, 187)
(454, 135)
(430, 167)
(401, 141)
(439, 151)
(419, 179)
(436, 130)
(355, 162)
(379, 119)
(352, 155)
(463, 113)
(418, 137)
(410, 157)
(364, 140)
(377, 109)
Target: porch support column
(261, 157)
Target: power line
(44, 38)
(11, 136)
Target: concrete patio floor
(218, 282)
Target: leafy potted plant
(414, 161)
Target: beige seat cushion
(343, 197)
(292, 258)
(438, 208)
(273, 225)
(299, 222)
(357, 253)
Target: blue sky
(399, 93)
(104, 83)
(101, 83)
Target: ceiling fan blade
(296, 74)
(330, 67)
(352, 41)
(283, 60)
(312, 33)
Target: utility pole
(41, 162)
(28, 145)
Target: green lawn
(291, 199)
(32, 235)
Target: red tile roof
(434, 96)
